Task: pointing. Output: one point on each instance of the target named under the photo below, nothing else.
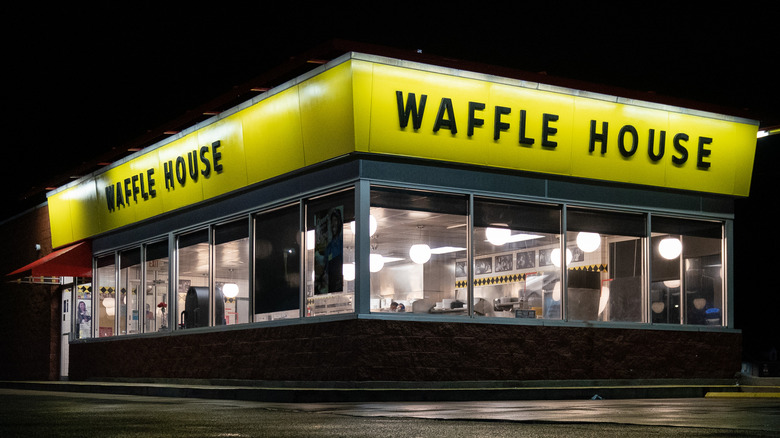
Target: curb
(387, 392)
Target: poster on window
(84, 318)
(329, 251)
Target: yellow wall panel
(273, 143)
(326, 114)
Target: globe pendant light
(230, 290)
(376, 262)
(555, 255)
(420, 253)
(497, 236)
(588, 242)
(670, 248)
(372, 225)
(348, 270)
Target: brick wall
(30, 314)
(393, 350)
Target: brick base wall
(394, 350)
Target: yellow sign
(499, 124)
(375, 105)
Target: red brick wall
(30, 314)
(375, 350)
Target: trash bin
(712, 316)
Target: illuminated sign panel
(377, 105)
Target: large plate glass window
(605, 265)
(105, 289)
(419, 239)
(130, 288)
(156, 301)
(193, 275)
(278, 264)
(687, 271)
(514, 247)
(330, 247)
(231, 261)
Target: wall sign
(140, 187)
(375, 105)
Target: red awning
(71, 261)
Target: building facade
(379, 219)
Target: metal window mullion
(564, 268)
(173, 284)
(362, 294)
(470, 256)
(117, 291)
(302, 255)
(141, 302)
(647, 270)
(683, 291)
(211, 277)
(727, 288)
(251, 269)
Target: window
(278, 264)
(605, 262)
(156, 301)
(515, 246)
(105, 288)
(231, 263)
(419, 240)
(129, 285)
(330, 245)
(687, 274)
(193, 271)
(82, 328)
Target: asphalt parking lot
(25, 413)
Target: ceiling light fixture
(670, 248)
(588, 242)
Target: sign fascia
(377, 105)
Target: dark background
(82, 81)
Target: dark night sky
(84, 80)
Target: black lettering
(523, 139)
(704, 153)
(181, 170)
(598, 137)
(473, 121)
(661, 145)
(128, 190)
(143, 186)
(192, 160)
(168, 174)
(499, 125)
(445, 107)
(216, 156)
(206, 163)
(110, 197)
(678, 146)
(627, 129)
(150, 182)
(409, 108)
(136, 191)
(548, 131)
(119, 198)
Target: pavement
(245, 409)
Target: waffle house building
(379, 219)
